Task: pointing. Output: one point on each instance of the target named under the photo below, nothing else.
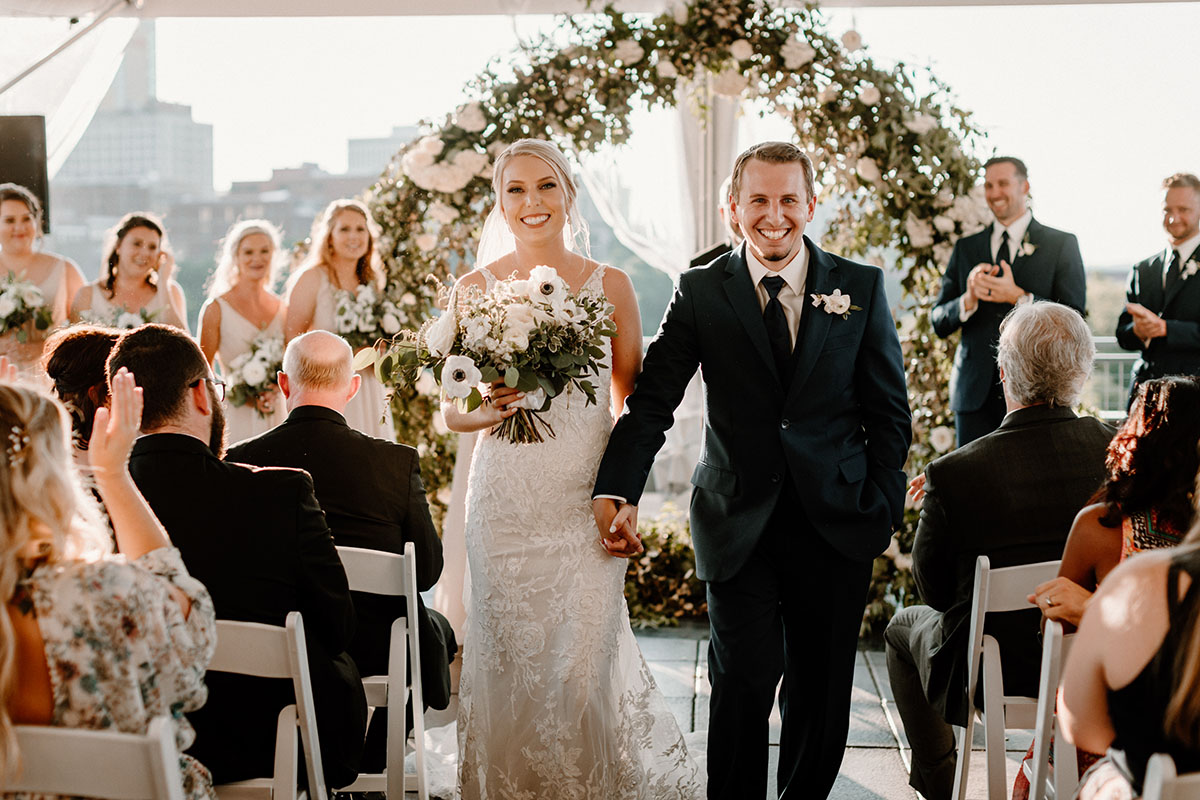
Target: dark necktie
(1172, 272)
(1004, 254)
(778, 333)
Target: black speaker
(23, 158)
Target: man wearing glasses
(257, 539)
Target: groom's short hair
(773, 153)
(165, 362)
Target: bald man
(373, 497)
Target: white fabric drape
(68, 89)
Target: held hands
(916, 488)
(994, 283)
(1061, 599)
(618, 527)
(1146, 324)
(115, 428)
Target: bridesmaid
(135, 279)
(342, 258)
(240, 308)
(58, 277)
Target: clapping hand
(115, 428)
(975, 292)
(8, 370)
(618, 527)
(998, 285)
(916, 488)
(1061, 599)
(1146, 324)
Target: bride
(555, 700)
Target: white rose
(254, 373)
(470, 118)
(868, 169)
(730, 83)
(425, 241)
(679, 12)
(431, 145)
(628, 52)
(921, 124)
(666, 69)
(475, 332)
(471, 161)
(7, 305)
(389, 323)
(796, 53)
(415, 160)
(943, 224)
(870, 95)
(32, 296)
(828, 94)
(439, 336)
(742, 50)
(920, 232)
(443, 213)
(408, 299)
(851, 40)
(941, 438)
(837, 303)
(459, 376)
(941, 253)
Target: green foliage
(661, 586)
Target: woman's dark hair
(137, 219)
(1152, 461)
(15, 191)
(74, 360)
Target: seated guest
(135, 283)
(74, 361)
(1144, 504)
(1141, 696)
(258, 540)
(372, 495)
(1010, 495)
(127, 639)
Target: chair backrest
(1162, 783)
(380, 572)
(269, 651)
(997, 590)
(100, 764)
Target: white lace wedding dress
(556, 700)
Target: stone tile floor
(877, 756)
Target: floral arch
(889, 145)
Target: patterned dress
(556, 701)
(121, 652)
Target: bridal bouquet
(531, 334)
(252, 377)
(22, 302)
(363, 317)
(120, 319)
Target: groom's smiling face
(772, 207)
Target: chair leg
(963, 766)
(1066, 767)
(993, 722)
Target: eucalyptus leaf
(512, 377)
(364, 358)
(489, 374)
(528, 381)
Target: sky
(1099, 100)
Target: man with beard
(258, 540)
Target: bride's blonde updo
(554, 158)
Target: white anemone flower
(459, 376)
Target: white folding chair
(101, 764)
(1066, 770)
(996, 590)
(1163, 784)
(378, 572)
(269, 651)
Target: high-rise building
(370, 156)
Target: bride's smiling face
(533, 200)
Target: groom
(799, 484)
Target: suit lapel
(1150, 284)
(744, 300)
(814, 323)
(1033, 233)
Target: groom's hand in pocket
(618, 527)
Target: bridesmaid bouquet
(362, 317)
(252, 378)
(22, 302)
(533, 335)
(120, 319)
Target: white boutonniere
(1027, 247)
(836, 303)
(1190, 268)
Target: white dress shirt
(1185, 252)
(791, 296)
(1016, 232)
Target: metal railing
(1108, 390)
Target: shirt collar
(1016, 231)
(794, 274)
(1186, 250)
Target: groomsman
(1161, 320)
(1014, 260)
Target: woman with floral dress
(343, 260)
(91, 640)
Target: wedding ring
(1050, 601)
(989, 292)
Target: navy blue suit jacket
(840, 431)
(1177, 353)
(1054, 271)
